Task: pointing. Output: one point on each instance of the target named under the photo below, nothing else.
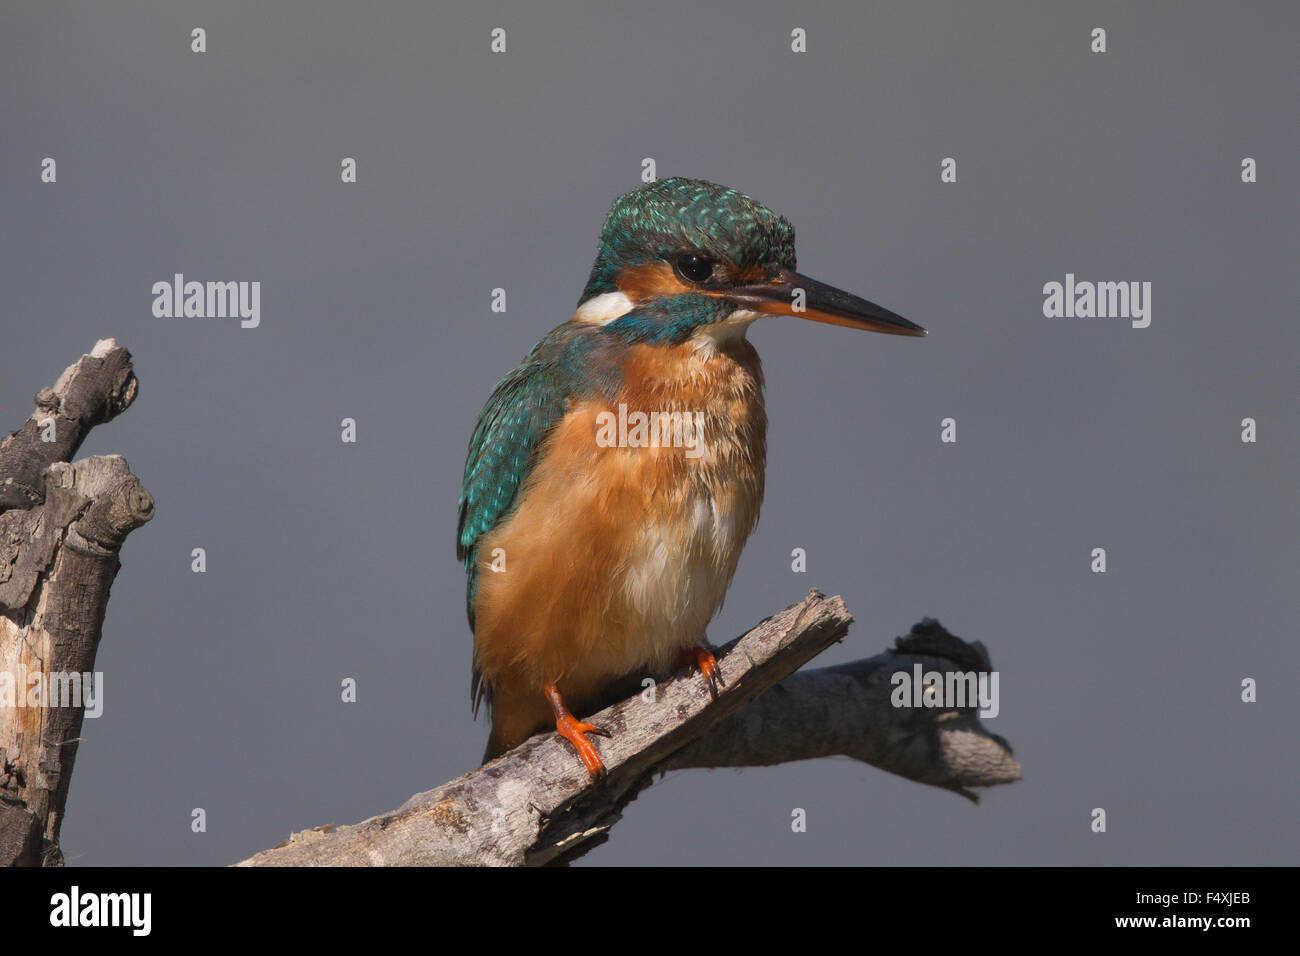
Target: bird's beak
(821, 303)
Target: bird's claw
(703, 658)
(575, 731)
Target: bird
(614, 476)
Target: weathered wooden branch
(847, 710)
(536, 805)
(90, 392)
(61, 526)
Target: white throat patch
(733, 327)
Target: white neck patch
(603, 309)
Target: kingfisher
(613, 477)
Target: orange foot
(703, 658)
(573, 730)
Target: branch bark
(60, 531)
(90, 392)
(535, 805)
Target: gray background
(328, 560)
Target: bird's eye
(694, 268)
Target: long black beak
(821, 303)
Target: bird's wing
(523, 407)
(571, 363)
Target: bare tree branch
(59, 542)
(848, 711)
(90, 392)
(536, 805)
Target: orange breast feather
(616, 557)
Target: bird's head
(679, 254)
